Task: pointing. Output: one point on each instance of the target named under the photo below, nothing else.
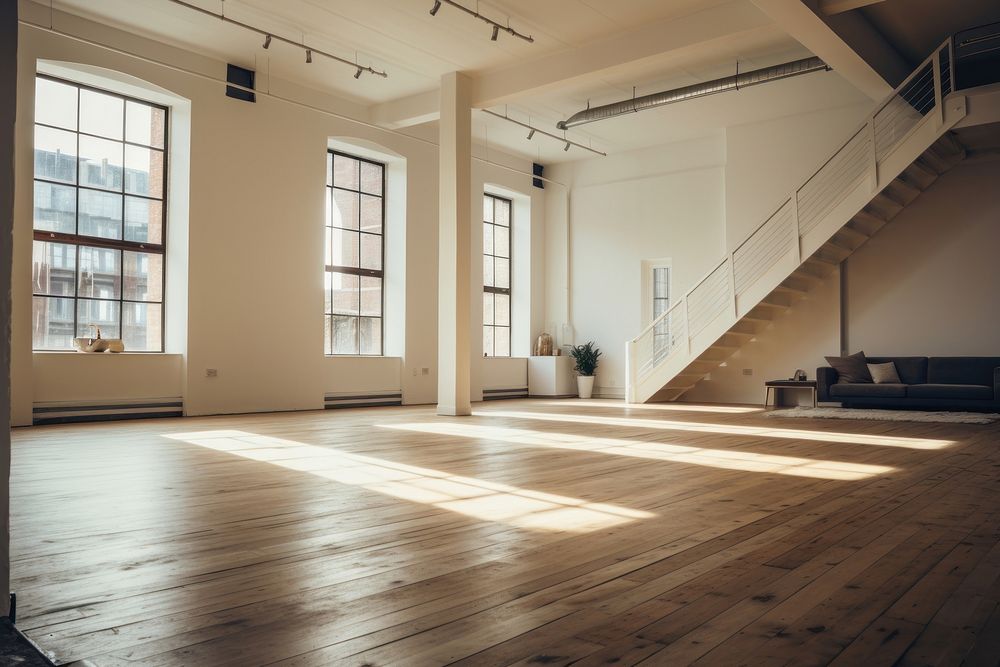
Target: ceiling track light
(533, 130)
(269, 36)
(357, 75)
(497, 26)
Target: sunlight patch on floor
(661, 407)
(727, 429)
(477, 498)
(715, 458)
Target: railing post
(796, 230)
(873, 152)
(938, 97)
(732, 281)
(687, 326)
(630, 372)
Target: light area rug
(888, 415)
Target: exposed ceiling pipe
(734, 82)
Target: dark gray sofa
(928, 383)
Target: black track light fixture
(357, 75)
(267, 42)
(567, 146)
(531, 134)
(436, 7)
(309, 55)
(496, 33)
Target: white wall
(662, 202)
(766, 161)
(926, 285)
(254, 293)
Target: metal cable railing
(781, 233)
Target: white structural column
(454, 245)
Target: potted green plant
(585, 356)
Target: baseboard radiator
(500, 394)
(374, 399)
(64, 412)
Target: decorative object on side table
(543, 345)
(585, 356)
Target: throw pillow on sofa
(884, 373)
(851, 369)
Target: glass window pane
(99, 273)
(345, 248)
(51, 323)
(143, 171)
(503, 309)
(55, 208)
(143, 274)
(145, 124)
(487, 238)
(327, 292)
(488, 272)
(501, 341)
(488, 341)
(502, 272)
(661, 283)
(329, 247)
(327, 335)
(371, 178)
(101, 163)
(502, 212)
(488, 308)
(329, 170)
(371, 214)
(502, 241)
(487, 209)
(346, 293)
(371, 335)
(371, 252)
(101, 114)
(345, 209)
(55, 103)
(345, 172)
(100, 214)
(143, 220)
(100, 314)
(345, 335)
(142, 327)
(55, 154)
(53, 269)
(371, 296)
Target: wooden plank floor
(534, 532)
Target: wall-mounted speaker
(241, 77)
(537, 170)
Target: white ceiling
(416, 49)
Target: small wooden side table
(788, 384)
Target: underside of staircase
(904, 146)
(902, 191)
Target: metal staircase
(901, 149)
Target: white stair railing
(775, 249)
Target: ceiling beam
(813, 32)
(657, 40)
(830, 7)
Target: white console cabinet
(551, 377)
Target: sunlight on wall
(477, 498)
(715, 458)
(662, 407)
(724, 429)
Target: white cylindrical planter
(585, 385)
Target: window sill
(105, 354)
(361, 356)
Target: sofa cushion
(912, 370)
(962, 370)
(867, 390)
(851, 369)
(960, 391)
(884, 373)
